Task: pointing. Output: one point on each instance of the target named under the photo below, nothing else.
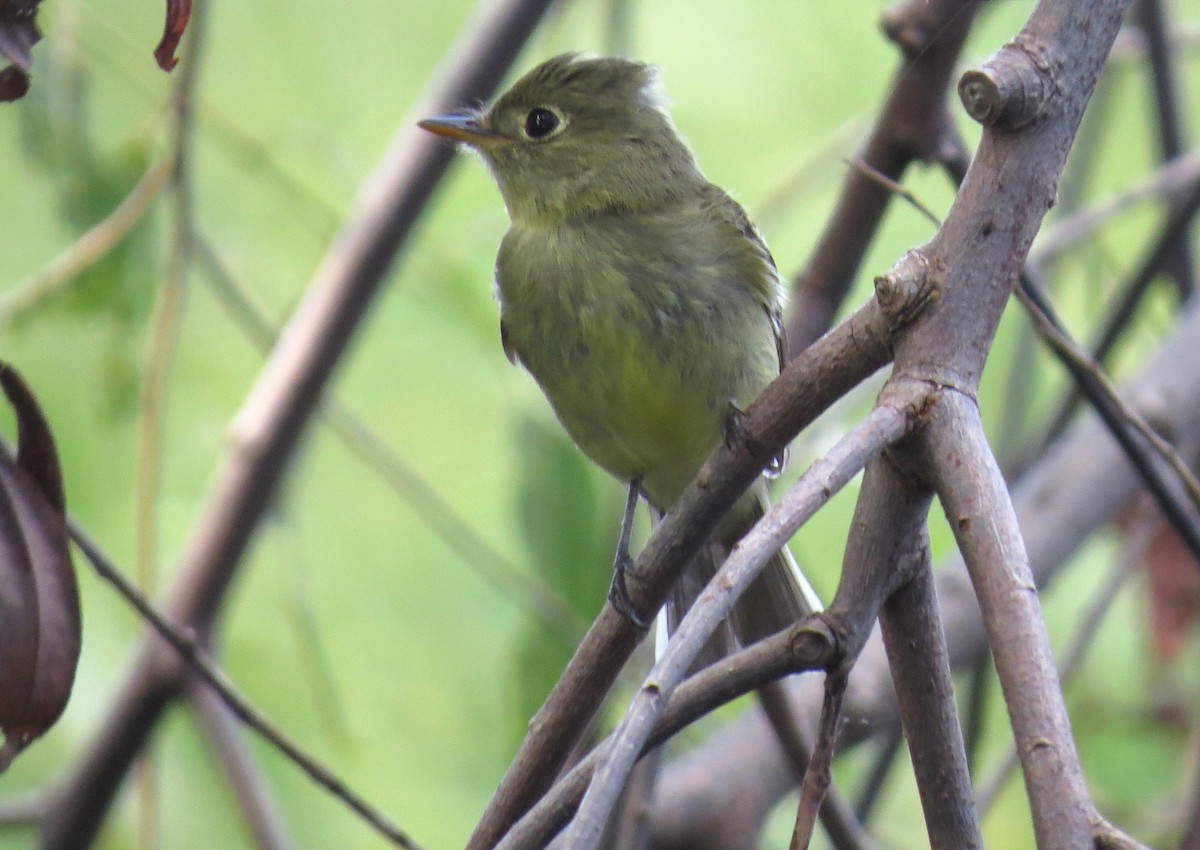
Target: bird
(641, 299)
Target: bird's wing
(771, 292)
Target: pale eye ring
(541, 123)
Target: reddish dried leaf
(34, 544)
(1174, 591)
(1172, 573)
(178, 12)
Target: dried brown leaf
(18, 616)
(40, 633)
(14, 84)
(18, 34)
(178, 12)
(1172, 574)
(36, 453)
(1174, 591)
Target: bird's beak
(461, 128)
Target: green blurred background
(354, 626)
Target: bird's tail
(779, 597)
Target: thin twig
(1169, 181)
(89, 248)
(839, 820)
(903, 192)
(819, 774)
(246, 784)
(1124, 306)
(1150, 16)
(1126, 425)
(201, 665)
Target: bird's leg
(618, 593)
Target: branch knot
(1010, 90)
(908, 287)
(814, 643)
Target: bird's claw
(618, 593)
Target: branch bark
(1060, 502)
(1031, 96)
(837, 362)
(895, 414)
(897, 507)
(977, 505)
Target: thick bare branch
(1077, 487)
(975, 498)
(896, 508)
(1093, 617)
(1145, 449)
(1032, 94)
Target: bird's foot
(618, 592)
(735, 432)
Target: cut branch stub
(39, 602)
(908, 287)
(1008, 91)
(814, 642)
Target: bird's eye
(540, 123)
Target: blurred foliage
(348, 604)
(569, 530)
(87, 183)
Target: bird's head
(576, 137)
